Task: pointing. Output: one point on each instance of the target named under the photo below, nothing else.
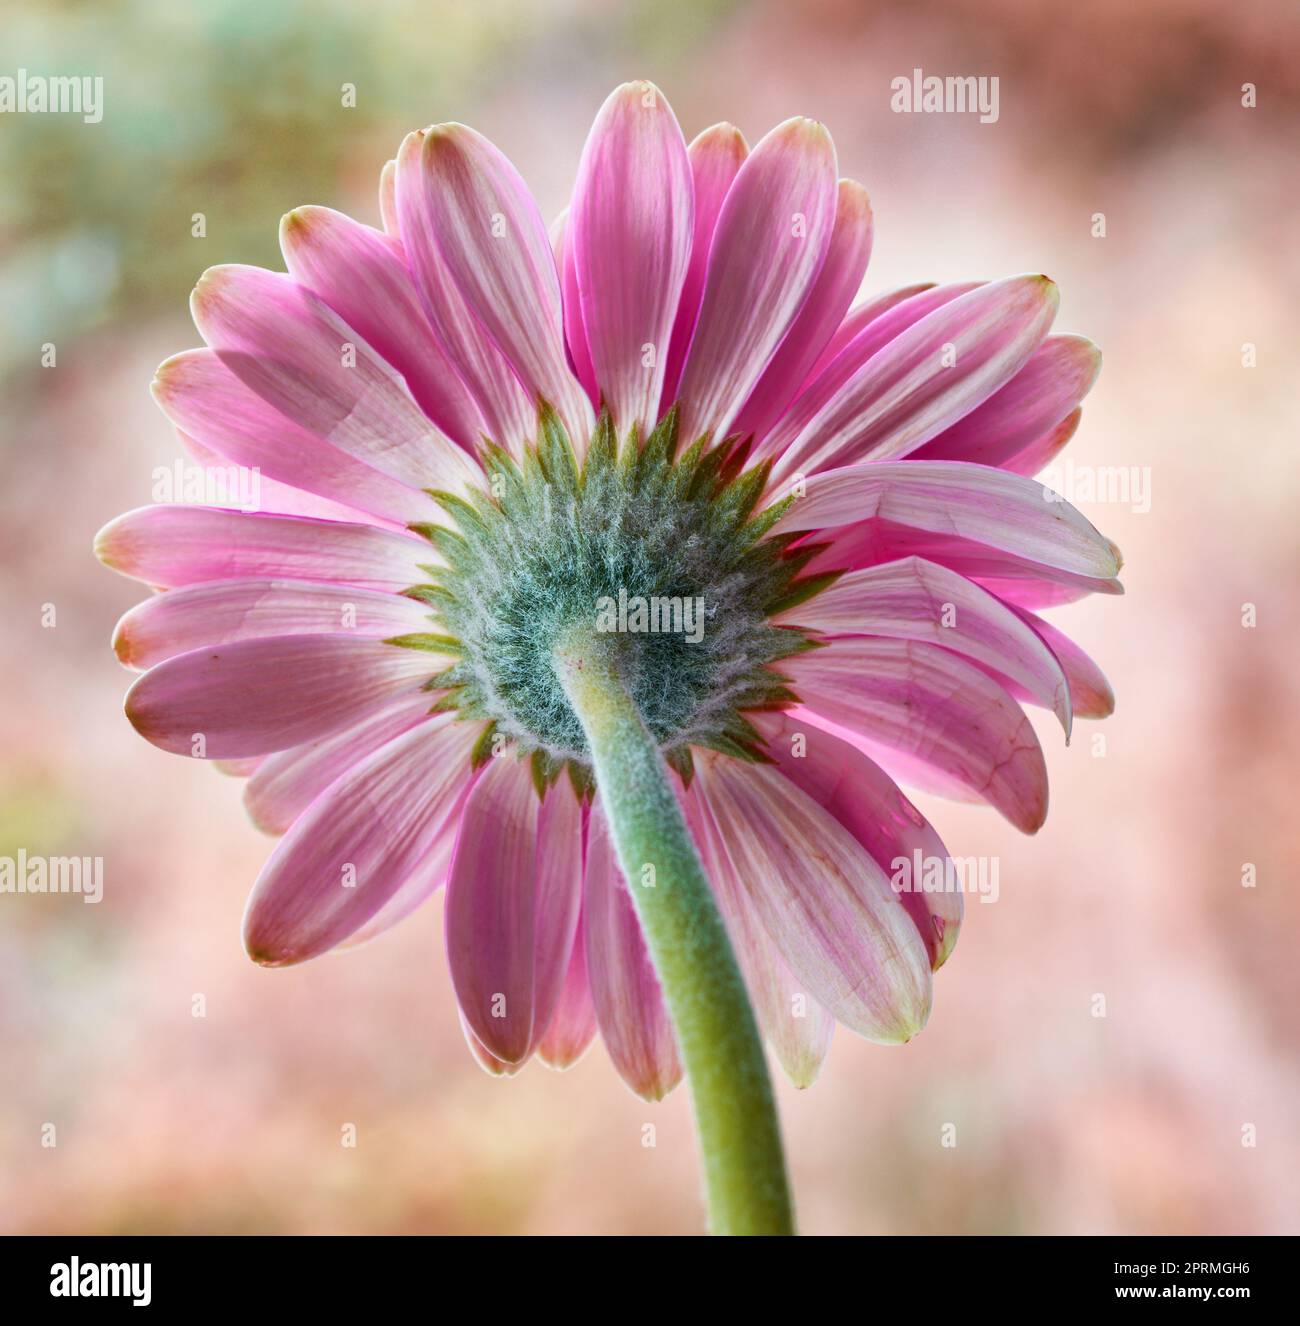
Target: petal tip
(853, 197)
(167, 375)
(635, 88)
(803, 127)
(725, 136)
(122, 644)
(1051, 292)
(561, 1059)
(258, 816)
(409, 146)
(106, 545)
(207, 293)
(295, 225)
(1033, 821)
(1098, 701)
(266, 956)
(446, 140)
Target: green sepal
(446, 680)
(602, 451)
(482, 750)
(761, 523)
(555, 450)
(465, 514)
(739, 499)
(584, 785)
(427, 640)
(792, 640)
(660, 446)
(708, 466)
(452, 545)
(434, 595)
(685, 470)
(726, 746)
(682, 762)
(801, 591)
(544, 770)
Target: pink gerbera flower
(661, 447)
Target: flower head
(806, 527)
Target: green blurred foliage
(232, 108)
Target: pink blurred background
(1065, 1122)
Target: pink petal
(1050, 590)
(1057, 376)
(487, 1061)
(361, 274)
(356, 845)
(830, 377)
(927, 378)
(207, 402)
(1004, 511)
(281, 499)
(559, 901)
(629, 1004)
(930, 718)
(860, 316)
(630, 226)
(825, 903)
(226, 610)
(864, 799)
(413, 892)
(1090, 692)
(388, 197)
(287, 782)
(575, 331)
(716, 157)
(512, 907)
(490, 897)
(834, 290)
(303, 359)
(256, 696)
(797, 1027)
(768, 247)
(508, 411)
(494, 244)
(171, 546)
(913, 599)
(1040, 453)
(1013, 578)
(573, 1026)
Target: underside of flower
(662, 551)
(801, 501)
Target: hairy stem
(734, 1108)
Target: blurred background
(1064, 1121)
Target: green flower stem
(735, 1112)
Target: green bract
(550, 544)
